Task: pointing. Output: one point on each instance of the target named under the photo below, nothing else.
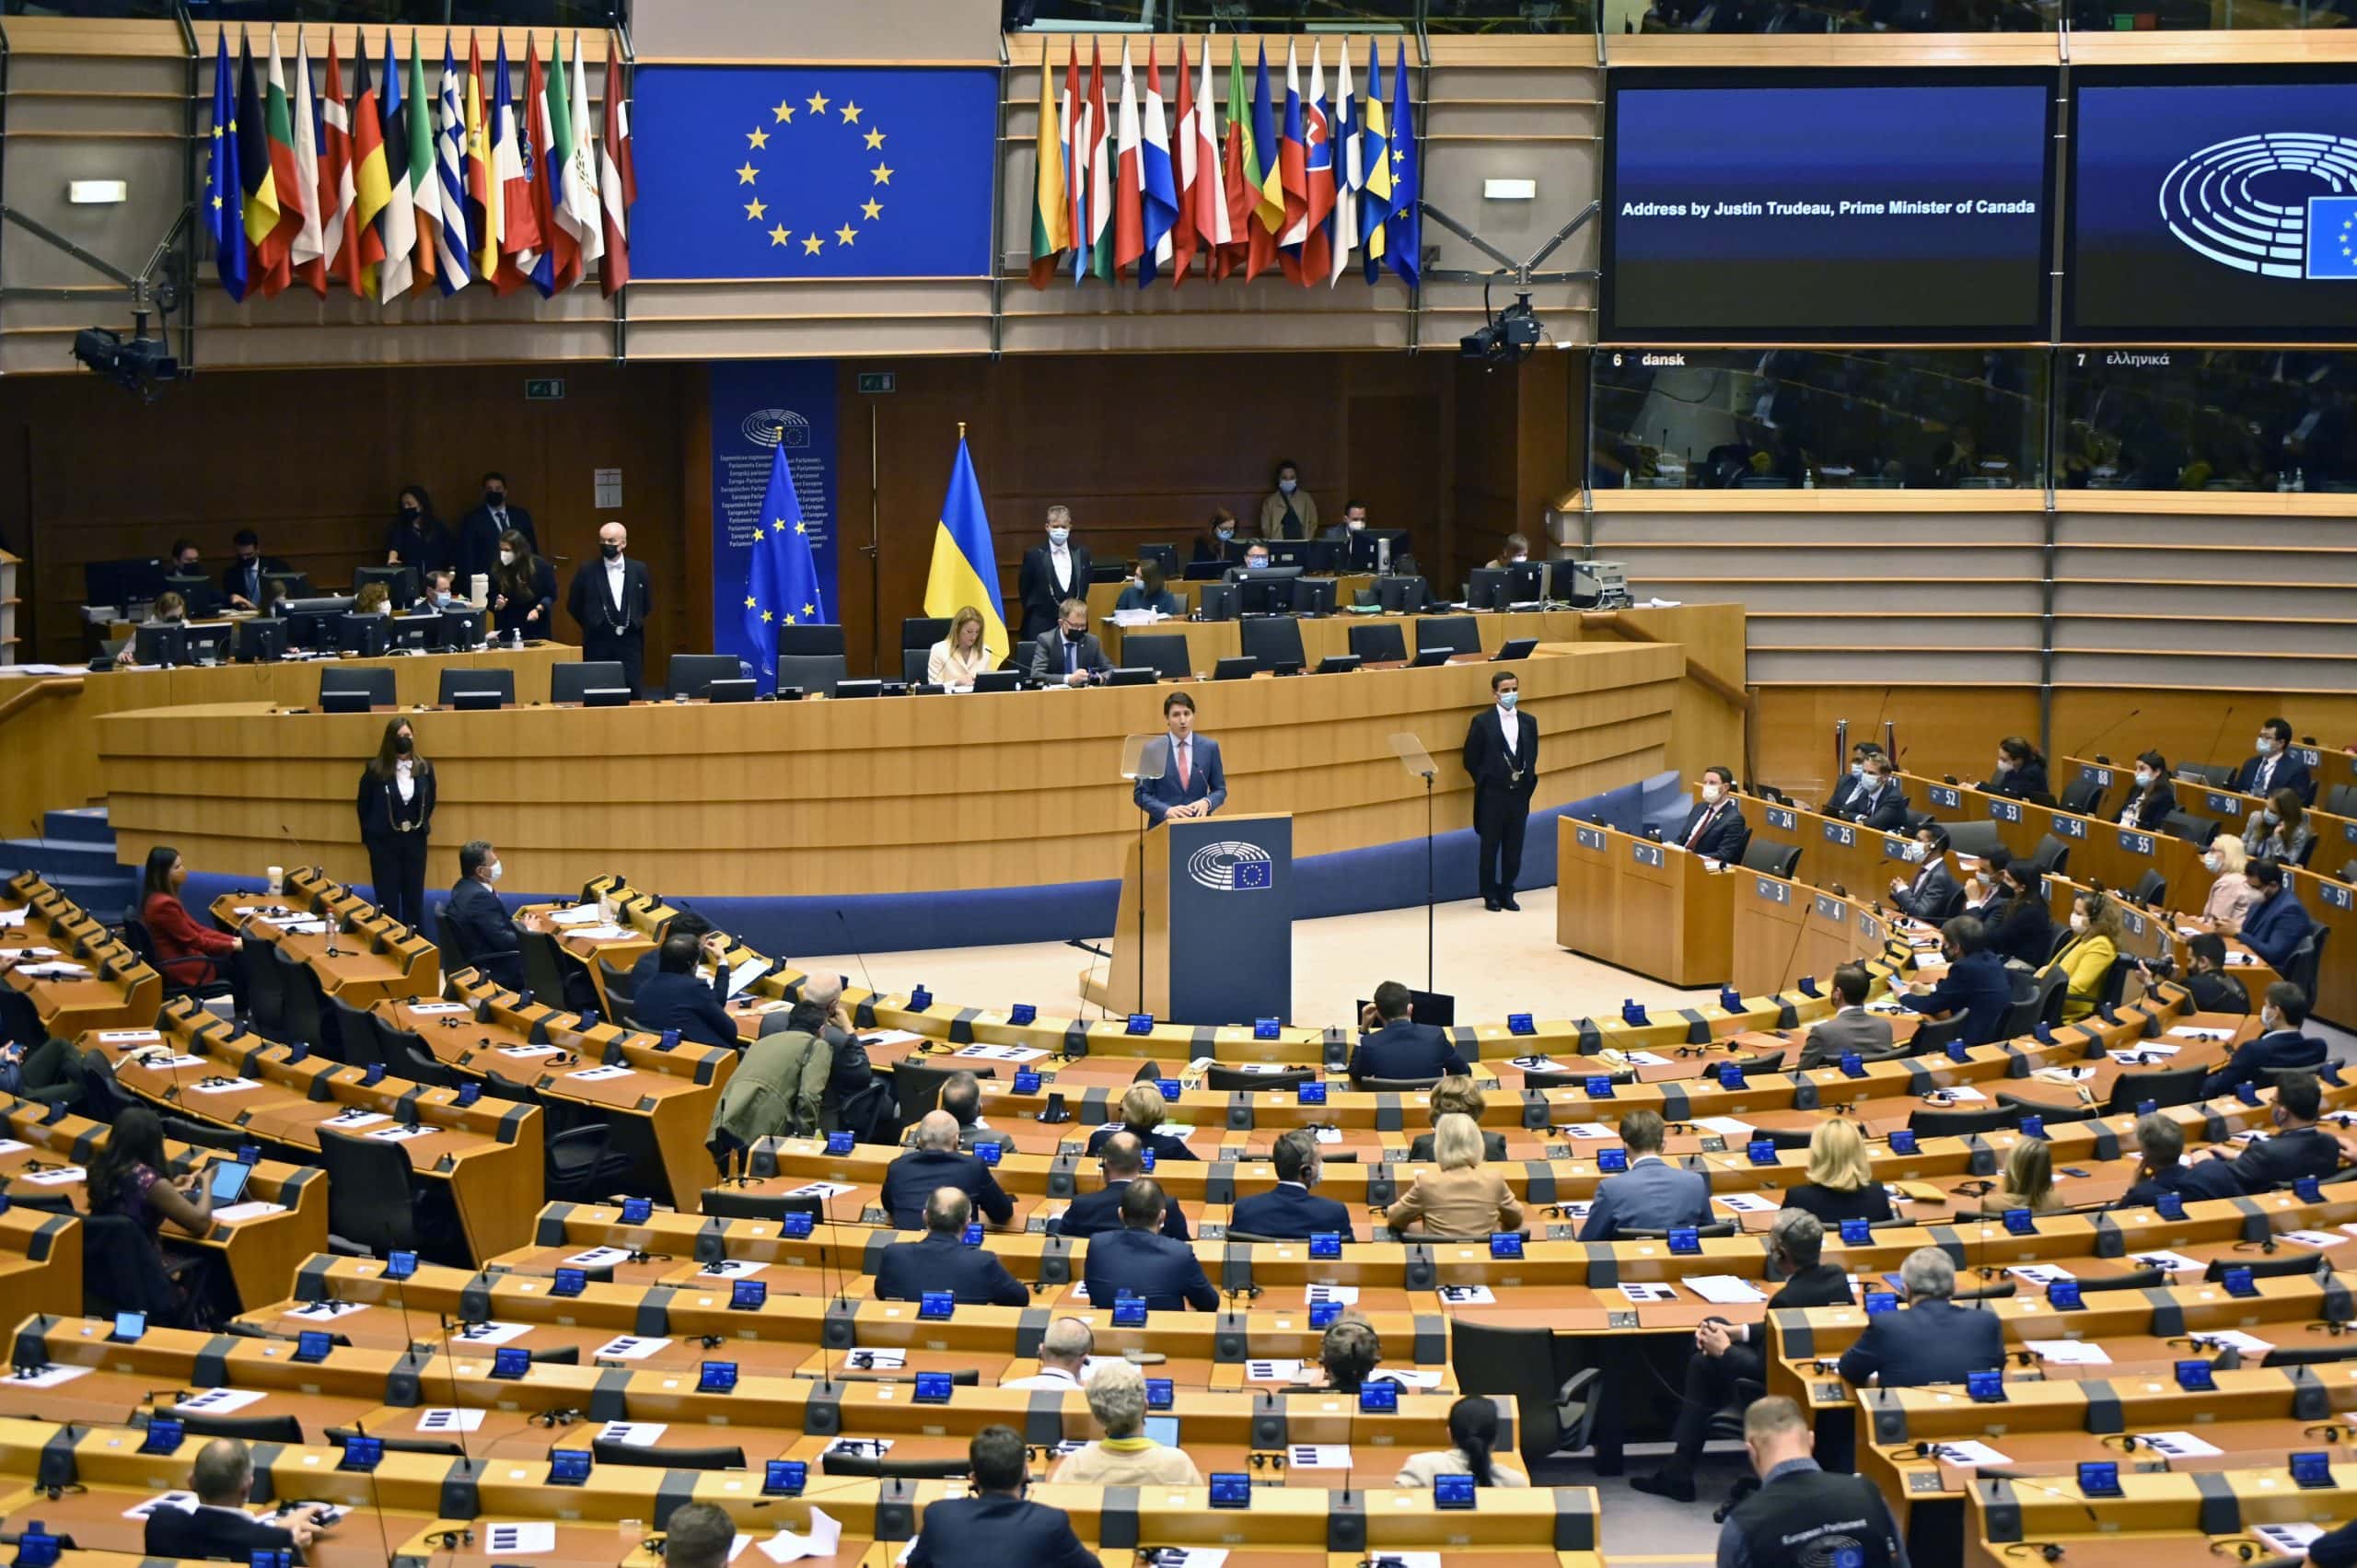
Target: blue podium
(1205, 931)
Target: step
(87, 824)
(56, 857)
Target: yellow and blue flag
(1406, 241)
(965, 563)
(782, 574)
(2333, 236)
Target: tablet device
(226, 1181)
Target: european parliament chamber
(1206, 783)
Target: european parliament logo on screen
(2240, 203)
(1231, 866)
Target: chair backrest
(1519, 1362)
(2021, 1013)
(1379, 643)
(2165, 1087)
(693, 674)
(368, 1191)
(620, 991)
(2051, 857)
(266, 995)
(203, 1135)
(304, 1003)
(916, 664)
(2340, 800)
(2150, 889)
(723, 1203)
(1164, 653)
(2083, 796)
(1975, 839)
(545, 965)
(2192, 829)
(2053, 988)
(451, 941)
(570, 682)
(2048, 1109)
(418, 1065)
(1395, 1085)
(2307, 958)
(122, 1271)
(921, 632)
(375, 679)
(838, 1462)
(1235, 1080)
(1936, 1035)
(1273, 640)
(817, 674)
(1776, 860)
(250, 1428)
(479, 679)
(817, 638)
(353, 1031)
(1925, 1123)
(917, 1088)
(1460, 633)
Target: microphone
(2211, 751)
(2081, 748)
(2019, 1479)
(300, 853)
(865, 978)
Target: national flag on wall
(782, 572)
(520, 228)
(372, 186)
(278, 126)
(454, 264)
(1406, 241)
(1100, 172)
(558, 254)
(258, 189)
(965, 563)
(398, 222)
(1202, 190)
(1242, 196)
(1317, 175)
(1349, 173)
(224, 199)
(337, 193)
(552, 139)
(1160, 193)
(1375, 139)
(1076, 113)
(582, 181)
(485, 213)
(1293, 173)
(1129, 198)
(1050, 197)
(424, 176)
(310, 251)
(617, 180)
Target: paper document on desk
(1723, 1290)
(237, 1214)
(44, 1377)
(2290, 1539)
(2063, 1075)
(2177, 1444)
(436, 1009)
(1744, 1202)
(1272, 1371)
(57, 970)
(629, 1347)
(2249, 1344)
(327, 1311)
(825, 1191)
(634, 1434)
(878, 1359)
(1589, 1130)
(521, 1051)
(13, 1146)
(599, 1258)
(2041, 1273)
(603, 932)
(128, 1036)
(1468, 1295)
(599, 1075)
(1329, 1135)
(2169, 1262)
(787, 1547)
(1644, 1295)
(1965, 1451)
(1645, 1059)
(220, 1402)
(521, 1538)
(2314, 1238)
(183, 1501)
(2187, 1031)
(20, 954)
(744, 974)
(1725, 1126)
(402, 1134)
(1960, 1094)
(579, 914)
(2068, 1353)
(346, 1121)
(62, 1175)
(730, 1269)
(1318, 1456)
(226, 1087)
(491, 1333)
(1346, 1295)
(13, 917)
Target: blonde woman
(2029, 1180)
(1142, 1110)
(2231, 894)
(1460, 1199)
(2094, 947)
(1125, 1455)
(1841, 1184)
(961, 656)
(1459, 1094)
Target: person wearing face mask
(1877, 802)
(1932, 889)
(1068, 654)
(2299, 1146)
(479, 920)
(1353, 520)
(481, 530)
(1148, 593)
(2205, 977)
(2022, 929)
(417, 539)
(1212, 544)
(1986, 892)
(1256, 559)
(1287, 511)
(1501, 754)
(2231, 895)
(2271, 765)
(610, 599)
(2280, 830)
(2278, 921)
(2150, 801)
(523, 590)
(242, 580)
(1051, 574)
(186, 560)
(2021, 770)
(1838, 803)
(1513, 552)
(440, 591)
(396, 807)
(1714, 828)
(1975, 985)
(2087, 958)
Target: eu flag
(763, 172)
(224, 195)
(782, 575)
(2333, 236)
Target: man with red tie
(1192, 783)
(1715, 828)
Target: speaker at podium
(1205, 931)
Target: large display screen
(2209, 206)
(1827, 206)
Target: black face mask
(611, 551)
(404, 744)
(411, 514)
(494, 499)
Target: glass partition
(2219, 419)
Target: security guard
(1802, 1516)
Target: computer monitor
(370, 637)
(1401, 595)
(1374, 550)
(462, 627)
(400, 581)
(1166, 553)
(156, 646)
(1268, 591)
(1437, 1008)
(1316, 596)
(477, 700)
(122, 583)
(1236, 667)
(740, 690)
(311, 622)
(1205, 571)
(197, 591)
(999, 681)
(1108, 572)
(1486, 589)
(1216, 601)
(421, 633)
(1308, 554)
(1530, 582)
(261, 639)
(293, 584)
(208, 642)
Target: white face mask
(2144, 779)
(1286, 485)
(1057, 536)
(1918, 852)
(1710, 794)
(1355, 523)
(2078, 921)
(491, 872)
(1507, 700)
(1517, 560)
(2263, 744)
(2213, 863)
(1857, 770)
(1227, 533)
(507, 558)
(2269, 1019)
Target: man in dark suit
(1851, 1027)
(2161, 1168)
(479, 920)
(610, 599)
(1714, 828)
(1928, 893)
(2278, 923)
(1051, 574)
(1136, 1262)
(479, 530)
(1933, 1340)
(2278, 1045)
(1193, 782)
(1877, 802)
(241, 578)
(1501, 754)
(994, 1522)
(1724, 1353)
(1067, 654)
(1398, 1046)
(1652, 1194)
(710, 946)
(675, 999)
(1976, 983)
(943, 1260)
(2272, 767)
(1122, 1159)
(698, 1535)
(223, 1478)
(2299, 1146)
(1987, 894)
(911, 1180)
(1289, 1212)
(1838, 803)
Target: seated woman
(127, 1178)
(2280, 830)
(169, 609)
(2028, 1183)
(2149, 804)
(2231, 893)
(187, 952)
(2094, 947)
(1460, 1199)
(1142, 1110)
(1347, 1356)
(1148, 593)
(2021, 770)
(1125, 1455)
(1473, 1431)
(961, 656)
(1840, 1184)
(523, 590)
(2024, 933)
(374, 599)
(1456, 1095)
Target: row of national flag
(390, 190)
(1300, 181)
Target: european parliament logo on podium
(1231, 866)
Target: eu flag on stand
(782, 574)
(2333, 236)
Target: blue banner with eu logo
(812, 172)
(760, 407)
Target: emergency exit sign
(875, 383)
(544, 389)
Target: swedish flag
(965, 563)
(782, 573)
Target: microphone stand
(1429, 943)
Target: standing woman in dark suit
(396, 806)
(2021, 770)
(2150, 803)
(417, 539)
(523, 590)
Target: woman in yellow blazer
(1460, 1199)
(2094, 949)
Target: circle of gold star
(813, 109)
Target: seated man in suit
(1926, 895)
(1068, 653)
(1976, 983)
(2278, 923)
(2277, 1045)
(710, 945)
(2299, 1146)
(1838, 803)
(1134, 1261)
(223, 1479)
(1192, 783)
(1986, 891)
(2272, 767)
(675, 999)
(943, 1260)
(1877, 802)
(1354, 519)
(961, 1097)
(1933, 1340)
(994, 1522)
(911, 1180)
(1400, 1047)
(1652, 1194)
(1851, 1027)
(1459, 1095)
(479, 920)
(241, 579)
(698, 1535)
(1288, 1212)
(2161, 1168)
(1122, 1159)
(1714, 828)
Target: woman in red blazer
(189, 952)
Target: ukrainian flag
(965, 566)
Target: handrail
(32, 691)
(1708, 679)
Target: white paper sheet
(825, 1191)
(1346, 1295)
(730, 1269)
(637, 1434)
(237, 1214)
(599, 1075)
(2068, 1353)
(2314, 1238)
(226, 1087)
(1272, 1371)
(2169, 1262)
(350, 1121)
(820, 1541)
(1407, 1378)
(522, 1052)
(520, 1538)
(1725, 1126)
(220, 1402)
(47, 1377)
(62, 1175)
(1723, 1290)
(327, 1311)
(2249, 1344)
(599, 1258)
(579, 914)
(2177, 1444)
(1643, 1293)
(1588, 1130)
(436, 1009)
(1965, 1451)
(628, 1347)
(2041, 1273)
(2290, 1539)
(1318, 1456)
(447, 1418)
(1744, 1203)
(185, 1501)
(128, 1036)
(493, 1334)
(1468, 1295)
(403, 1134)
(879, 1359)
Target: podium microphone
(865, 978)
(2081, 749)
(2211, 751)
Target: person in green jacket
(776, 1090)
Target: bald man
(223, 1479)
(934, 1162)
